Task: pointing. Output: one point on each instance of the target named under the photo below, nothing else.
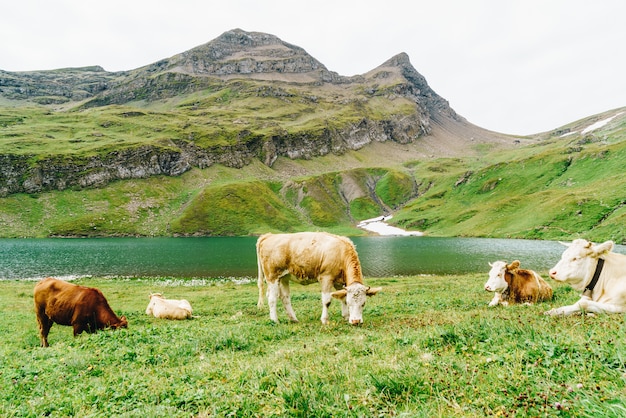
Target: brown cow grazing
(512, 284)
(84, 308)
(308, 257)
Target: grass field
(429, 347)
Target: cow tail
(261, 276)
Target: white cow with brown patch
(579, 263)
(168, 308)
(308, 257)
(512, 284)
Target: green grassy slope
(214, 201)
(229, 113)
(567, 184)
(564, 187)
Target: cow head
(578, 262)
(153, 297)
(354, 296)
(122, 324)
(497, 276)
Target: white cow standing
(577, 267)
(168, 308)
(309, 257)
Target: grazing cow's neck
(353, 270)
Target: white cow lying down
(577, 267)
(168, 308)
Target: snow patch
(599, 124)
(380, 227)
(568, 134)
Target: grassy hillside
(224, 114)
(565, 186)
(561, 185)
(214, 201)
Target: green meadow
(429, 347)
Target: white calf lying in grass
(168, 308)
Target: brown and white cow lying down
(168, 308)
(84, 308)
(307, 257)
(512, 284)
(578, 266)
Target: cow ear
(372, 291)
(513, 266)
(340, 294)
(603, 248)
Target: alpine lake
(224, 257)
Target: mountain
(240, 97)
(249, 134)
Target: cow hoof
(554, 312)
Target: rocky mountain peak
(241, 53)
(414, 85)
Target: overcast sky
(512, 66)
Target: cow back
(527, 286)
(307, 255)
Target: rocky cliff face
(20, 173)
(55, 86)
(258, 57)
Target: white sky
(512, 66)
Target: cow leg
(78, 328)
(272, 299)
(497, 298)
(586, 304)
(345, 312)
(589, 305)
(260, 280)
(564, 310)
(285, 297)
(45, 324)
(326, 299)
